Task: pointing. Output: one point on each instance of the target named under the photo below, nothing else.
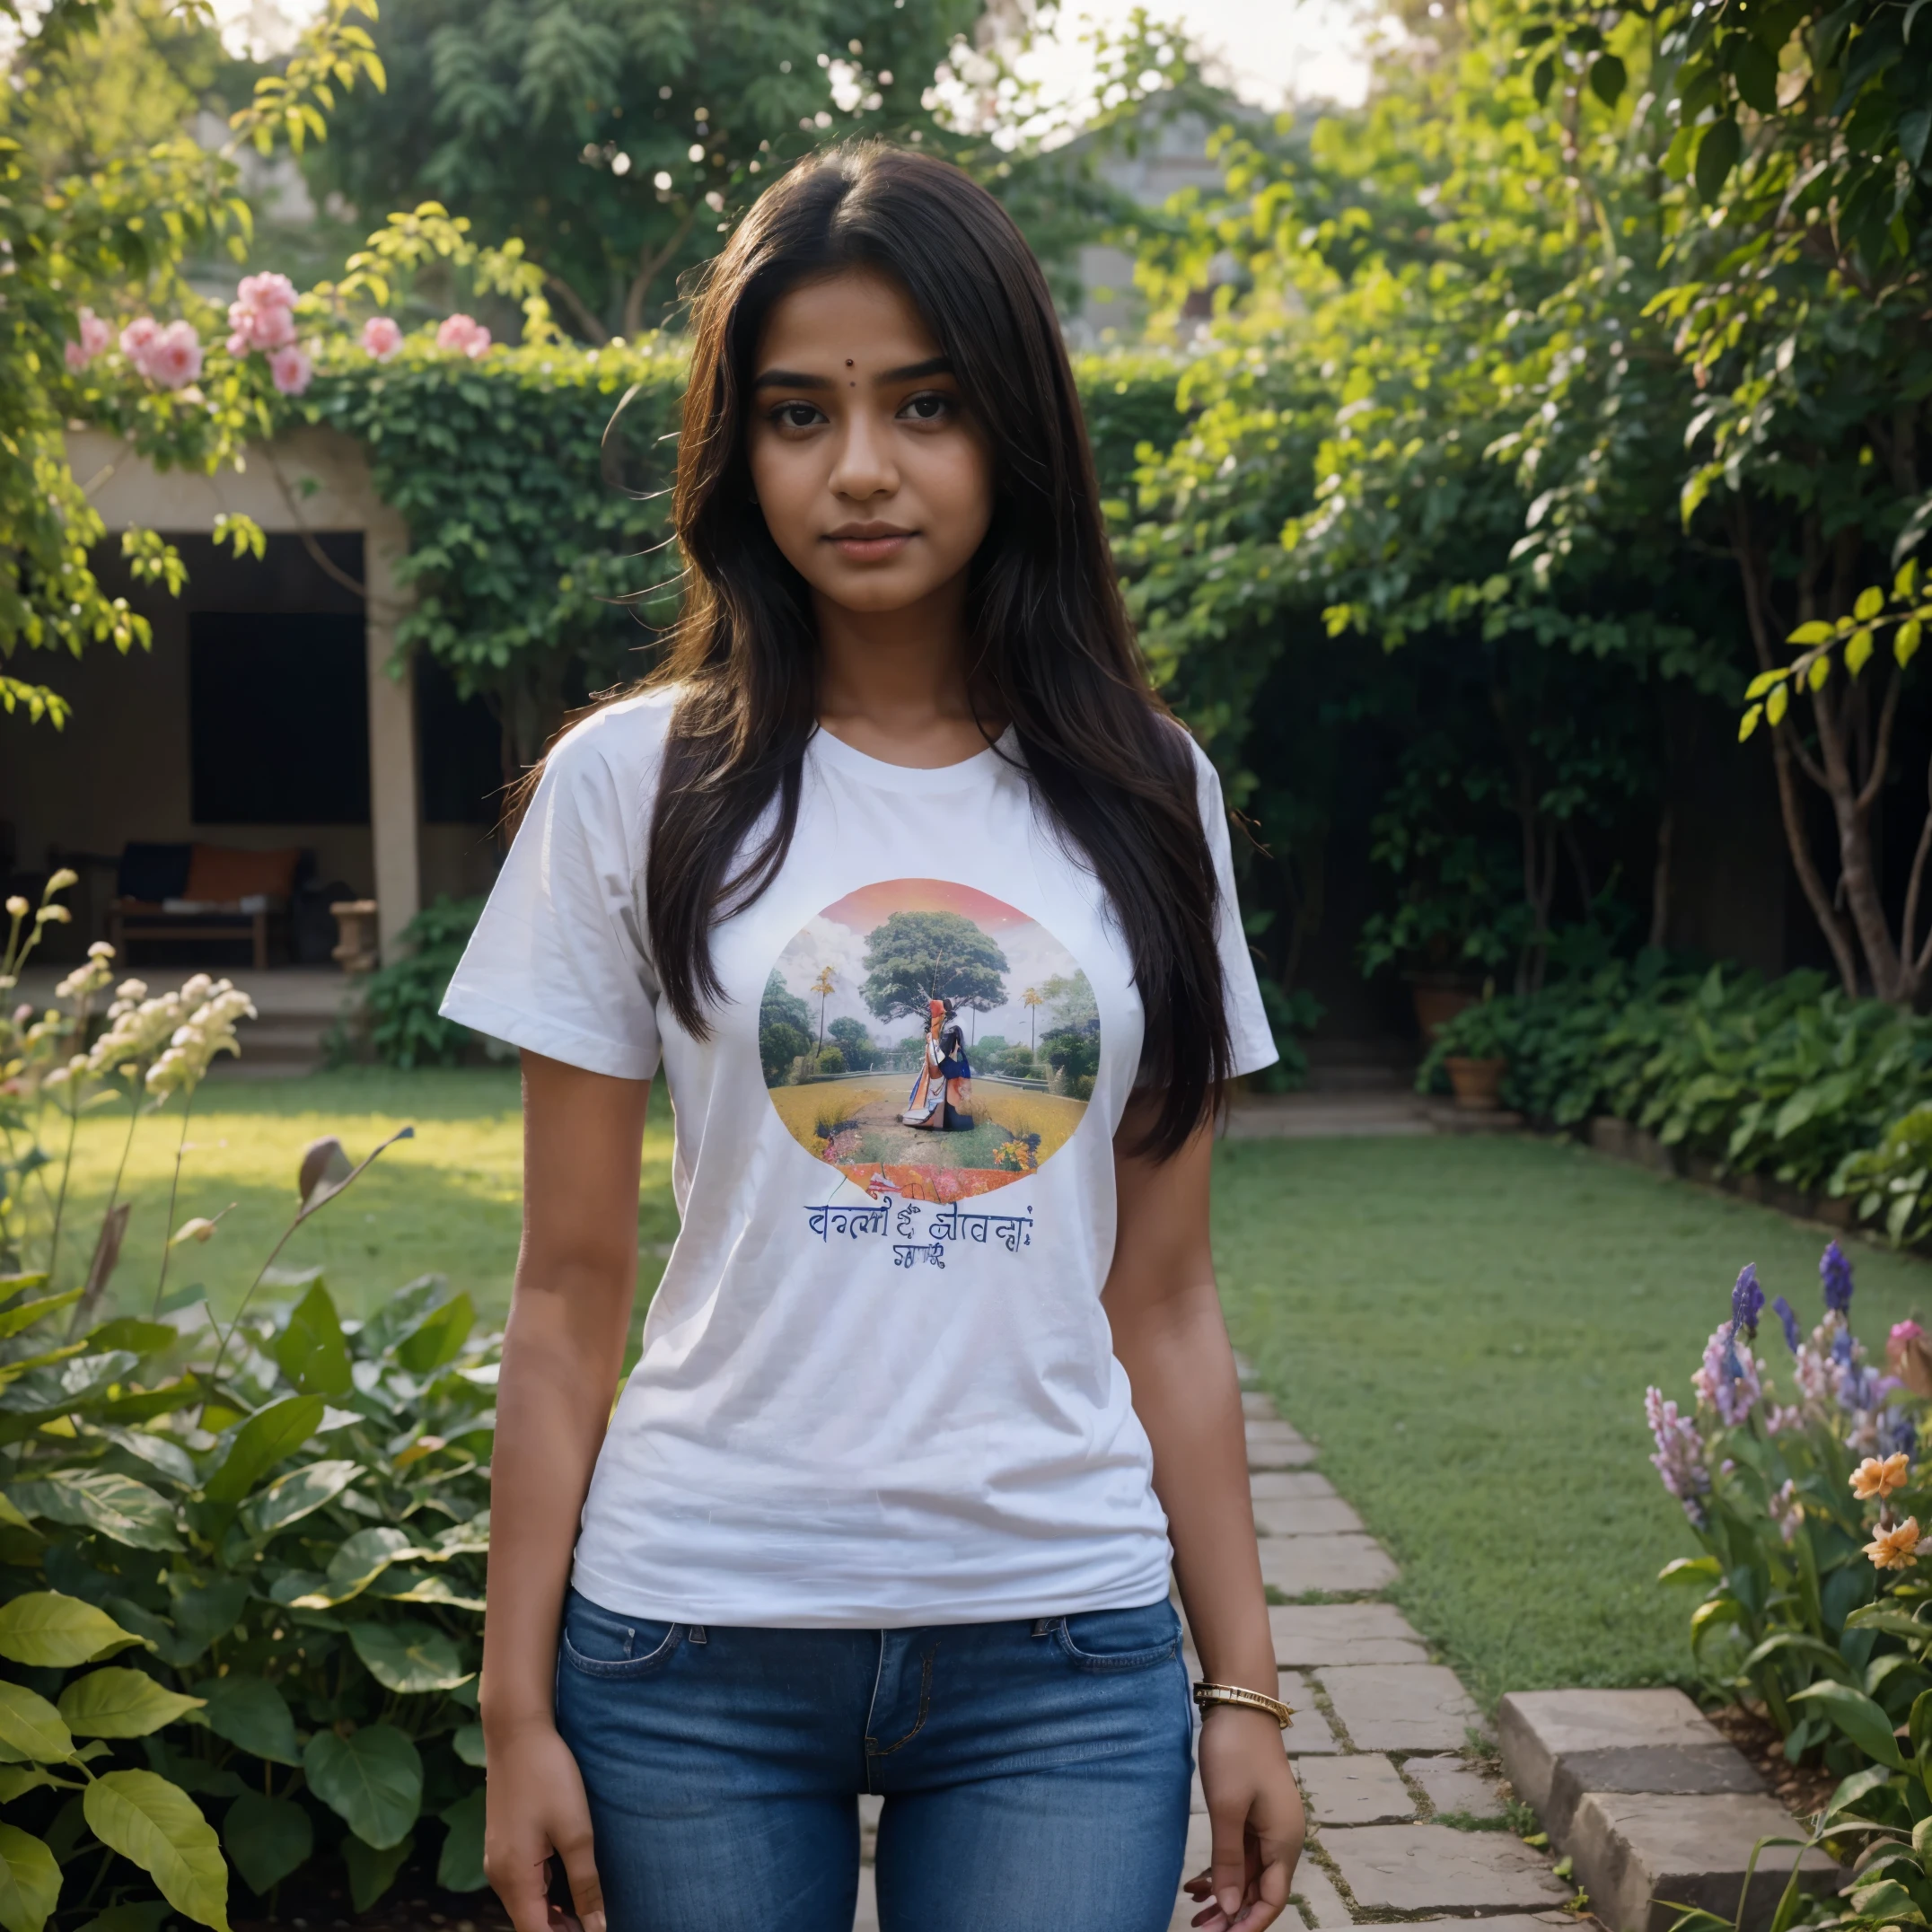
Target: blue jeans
(1034, 1773)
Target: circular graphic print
(929, 1041)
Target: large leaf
(460, 1866)
(409, 1657)
(402, 1314)
(291, 1498)
(371, 1779)
(157, 1826)
(146, 1916)
(268, 1838)
(255, 1717)
(156, 1450)
(134, 1334)
(115, 1507)
(363, 1558)
(1861, 1720)
(371, 1870)
(30, 1881)
(204, 1612)
(265, 1439)
(121, 1703)
(311, 1349)
(441, 1337)
(24, 1314)
(56, 1632)
(468, 1741)
(31, 1727)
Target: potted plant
(1474, 1050)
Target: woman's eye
(795, 414)
(930, 408)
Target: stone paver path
(1405, 1822)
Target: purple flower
(1679, 1461)
(1747, 1301)
(1789, 1316)
(1836, 1273)
(1728, 1380)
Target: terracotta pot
(1438, 1003)
(1478, 1084)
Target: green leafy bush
(276, 1533)
(1484, 1032)
(401, 998)
(1891, 1182)
(1785, 1078)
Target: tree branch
(1882, 750)
(648, 268)
(586, 320)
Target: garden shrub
(1785, 1078)
(401, 998)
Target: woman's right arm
(563, 1350)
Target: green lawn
(447, 1202)
(1467, 1326)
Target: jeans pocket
(606, 1643)
(1119, 1640)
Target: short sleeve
(1250, 1035)
(558, 961)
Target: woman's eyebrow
(932, 365)
(790, 379)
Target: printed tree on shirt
(915, 958)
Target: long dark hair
(1052, 650)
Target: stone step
(1310, 1636)
(1656, 1809)
(1399, 1707)
(1363, 1788)
(1342, 1566)
(1433, 1869)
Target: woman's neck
(893, 683)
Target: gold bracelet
(1206, 1694)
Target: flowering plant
(1775, 1470)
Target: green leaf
(372, 1871)
(1748, 722)
(363, 1558)
(1905, 645)
(30, 1881)
(1858, 651)
(1716, 155)
(468, 1741)
(1754, 70)
(1870, 601)
(1884, 1617)
(291, 1498)
(1692, 1569)
(121, 1703)
(371, 1779)
(24, 1314)
(460, 1867)
(1607, 79)
(17, 1779)
(409, 1657)
(31, 1725)
(1812, 633)
(402, 1314)
(147, 1916)
(53, 1631)
(268, 1436)
(441, 1337)
(157, 1826)
(204, 1612)
(1763, 682)
(1861, 1720)
(1776, 704)
(116, 1507)
(255, 1717)
(267, 1839)
(311, 1349)
(132, 1333)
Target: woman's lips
(872, 547)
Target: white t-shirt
(877, 1388)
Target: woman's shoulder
(624, 738)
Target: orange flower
(1896, 1547)
(1873, 1478)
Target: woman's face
(873, 479)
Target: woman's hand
(1256, 1813)
(535, 1807)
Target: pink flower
(290, 369)
(174, 358)
(262, 314)
(94, 336)
(137, 339)
(464, 333)
(382, 337)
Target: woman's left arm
(1168, 1333)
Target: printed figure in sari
(942, 1097)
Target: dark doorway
(278, 712)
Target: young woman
(889, 1502)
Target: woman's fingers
(520, 1880)
(580, 1867)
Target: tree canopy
(914, 958)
